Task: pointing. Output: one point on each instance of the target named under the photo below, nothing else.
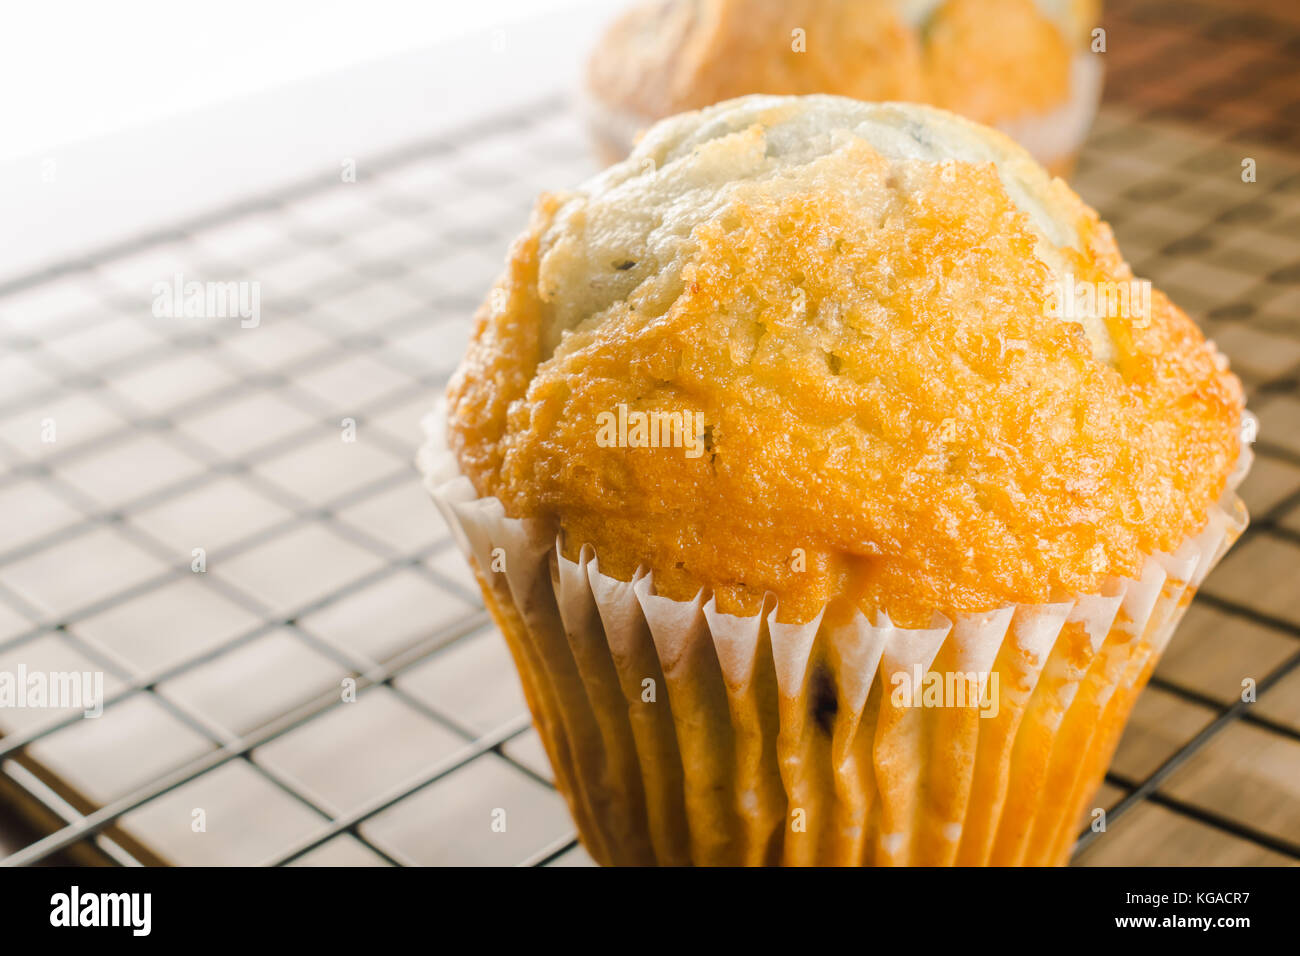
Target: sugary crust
(892, 417)
(994, 61)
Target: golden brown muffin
(915, 523)
(1019, 64)
(857, 299)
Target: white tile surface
(231, 816)
(234, 428)
(434, 346)
(45, 307)
(404, 517)
(254, 683)
(298, 274)
(395, 239)
(29, 511)
(276, 342)
(172, 381)
(387, 617)
(211, 516)
(298, 568)
(12, 623)
(135, 274)
(130, 470)
(134, 742)
(80, 571)
(328, 467)
(372, 305)
(104, 341)
(246, 240)
(21, 378)
(167, 626)
(473, 683)
(451, 822)
(357, 752)
(336, 208)
(349, 386)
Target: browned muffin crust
(892, 418)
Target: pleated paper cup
(681, 735)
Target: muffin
(795, 413)
(1021, 65)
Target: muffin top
(991, 60)
(872, 324)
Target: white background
(121, 117)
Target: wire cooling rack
(323, 559)
(224, 738)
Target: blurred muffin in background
(1023, 66)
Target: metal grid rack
(325, 561)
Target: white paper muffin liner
(1054, 138)
(682, 735)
